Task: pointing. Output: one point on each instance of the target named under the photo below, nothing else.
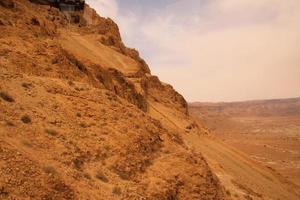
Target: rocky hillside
(83, 118)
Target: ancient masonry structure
(63, 5)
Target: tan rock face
(77, 116)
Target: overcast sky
(215, 50)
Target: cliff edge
(83, 118)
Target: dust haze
(216, 50)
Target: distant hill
(273, 107)
(268, 131)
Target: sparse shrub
(110, 41)
(35, 21)
(78, 163)
(123, 175)
(136, 126)
(26, 85)
(189, 127)
(107, 147)
(105, 133)
(80, 66)
(55, 106)
(71, 83)
(49, 170)
(248, 197)
(87, 176)
(83, 125)
(114, 105)
(104, 124)
(54, 61)
(26, 143)
(228, 193)
(75, 61)
(26, 119)
(2, 22)
(51, 132)
(102, 177)
(61, 137)
(6, 97)
(117, 191)
(8, 123)
(78, 114)
(3, 192)
(79, 89)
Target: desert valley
(268, 131)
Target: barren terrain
(78, 114)
(267, 131)
(82, 117)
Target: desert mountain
(81, 116)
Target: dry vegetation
(6, 97)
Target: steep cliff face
(82, 117)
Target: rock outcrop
(78, 116)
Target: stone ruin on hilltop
(63, 5)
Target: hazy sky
(215, 50)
